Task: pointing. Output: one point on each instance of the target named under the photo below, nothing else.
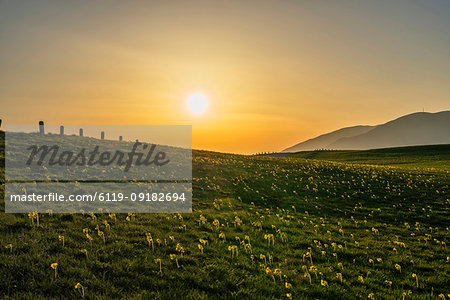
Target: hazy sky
(275, 72)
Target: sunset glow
(275, 74)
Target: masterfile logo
(147, 169)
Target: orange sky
(275, 72)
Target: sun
(197, 103)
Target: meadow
(421, 157)
(261, 227)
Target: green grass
(344, 215)
(429, 157)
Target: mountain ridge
(420, 128)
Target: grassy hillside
(433, 156)
(261, 228)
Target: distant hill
(415, 129)
(324, 140)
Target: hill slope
(414, 129)
(324, 140)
